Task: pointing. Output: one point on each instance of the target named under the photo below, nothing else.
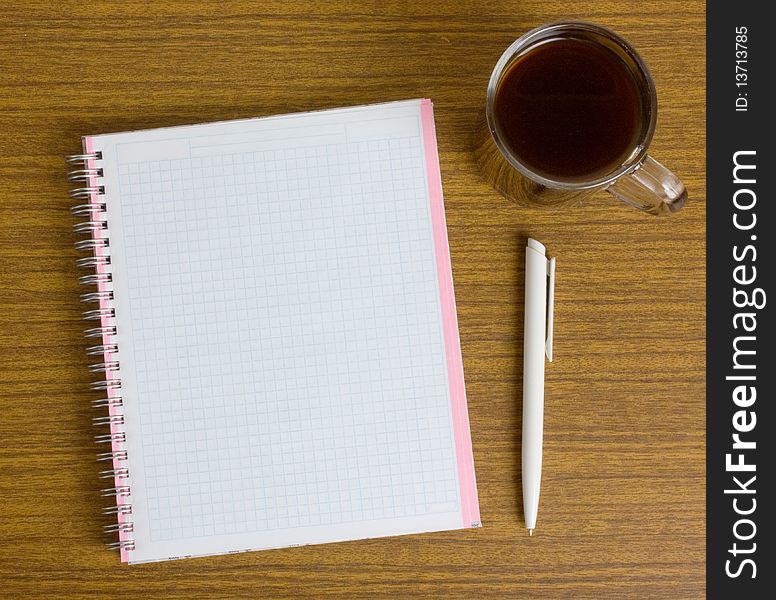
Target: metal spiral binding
(87, 192)
(84, 175)
(117, 455)
(99, 332)
(90, 262)
(86, 210)
(113, 473)
(104, 367)
(119, 527)
(87, 175)
(122, 544)
(109, 420)
(123, 509)
(82, 159)
(96, 296)
(105, 384)
(91, 244)
(109, 402)
(109, 438)
(88, 226)
(102, 349)
(98, 314)
(95, 278)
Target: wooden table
(623, 510)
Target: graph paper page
(281, 332)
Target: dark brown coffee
(570, 109)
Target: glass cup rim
(529, 38)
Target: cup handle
(650, 187)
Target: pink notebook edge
(470, 509)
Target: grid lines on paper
(287, 338)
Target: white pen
(539, 304)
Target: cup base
(513, 185)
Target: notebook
(273, 312)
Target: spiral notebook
(275, 320)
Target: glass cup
(638, 180)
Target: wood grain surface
(622, 511)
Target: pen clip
(550, 307)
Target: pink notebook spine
(470, 507)
(90, 197)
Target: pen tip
(530, 532)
